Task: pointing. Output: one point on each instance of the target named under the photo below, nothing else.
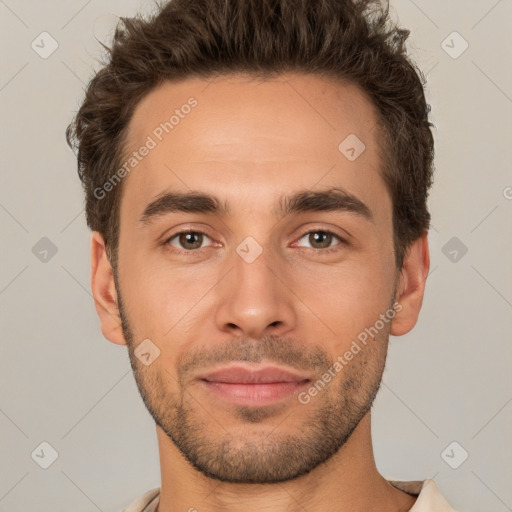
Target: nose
(256, 299)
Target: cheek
(166, 301)
(347, 299)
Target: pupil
(187, 239)
(322, 238)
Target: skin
(248, 142)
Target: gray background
(61, 382)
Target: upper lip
(245, 375)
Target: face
(274, 252)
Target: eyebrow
(333, 199)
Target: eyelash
(327, 250)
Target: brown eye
(321, 240)
(188, 240)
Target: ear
(104, 291)
(411, 286)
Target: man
(256, 176)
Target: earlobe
(411, 286)
(104, 291)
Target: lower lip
(254, 394)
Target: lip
(245, 375)
(253, 387)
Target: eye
(188, 240)
(322, 240)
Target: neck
(348, 481)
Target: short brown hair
(348, 40)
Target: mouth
(253, 387)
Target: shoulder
(142, 502)
(429, 497)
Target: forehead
(243, 138)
